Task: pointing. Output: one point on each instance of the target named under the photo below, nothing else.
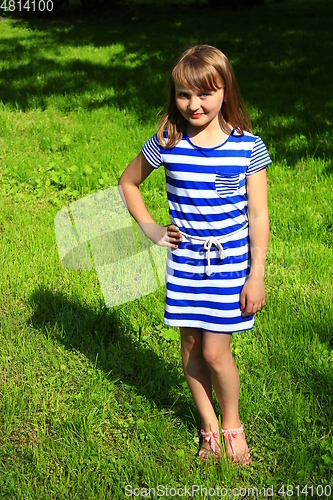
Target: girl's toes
(243, 458)
(242, 453)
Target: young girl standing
(217, 241)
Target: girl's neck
(211, 135)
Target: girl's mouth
(195, 115)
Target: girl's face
(199, 108)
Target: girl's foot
(209, 444)
(236, 445)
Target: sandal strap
(230, 434)
(210, 437)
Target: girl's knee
(191, 342)
(217, 359)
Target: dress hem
(197, 324)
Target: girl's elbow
(122, 186)
(123, 180)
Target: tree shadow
(122, 59)
(104, 338)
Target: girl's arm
(253, 292)
(136, 172)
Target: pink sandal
(211, 437)
(229, 435)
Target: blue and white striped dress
(206, 189)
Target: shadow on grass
(122, 60)
(104, 338)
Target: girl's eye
(204, 95)
(182, 94)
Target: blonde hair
(203, 68)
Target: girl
(217, 194)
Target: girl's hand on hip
(171, 236)
(164, 236)
(252, 297)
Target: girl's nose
(194, 103)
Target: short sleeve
(152, 152)
(259, 157)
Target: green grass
(93, 399)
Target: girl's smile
(196, 115)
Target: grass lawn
(93, 402)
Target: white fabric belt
(212, 240)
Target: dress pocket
(226, 184)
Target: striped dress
(206, 189)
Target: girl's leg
(197, 375)
(225, 378)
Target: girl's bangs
(196, 75)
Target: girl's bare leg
(225, 377)
(197, 375)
